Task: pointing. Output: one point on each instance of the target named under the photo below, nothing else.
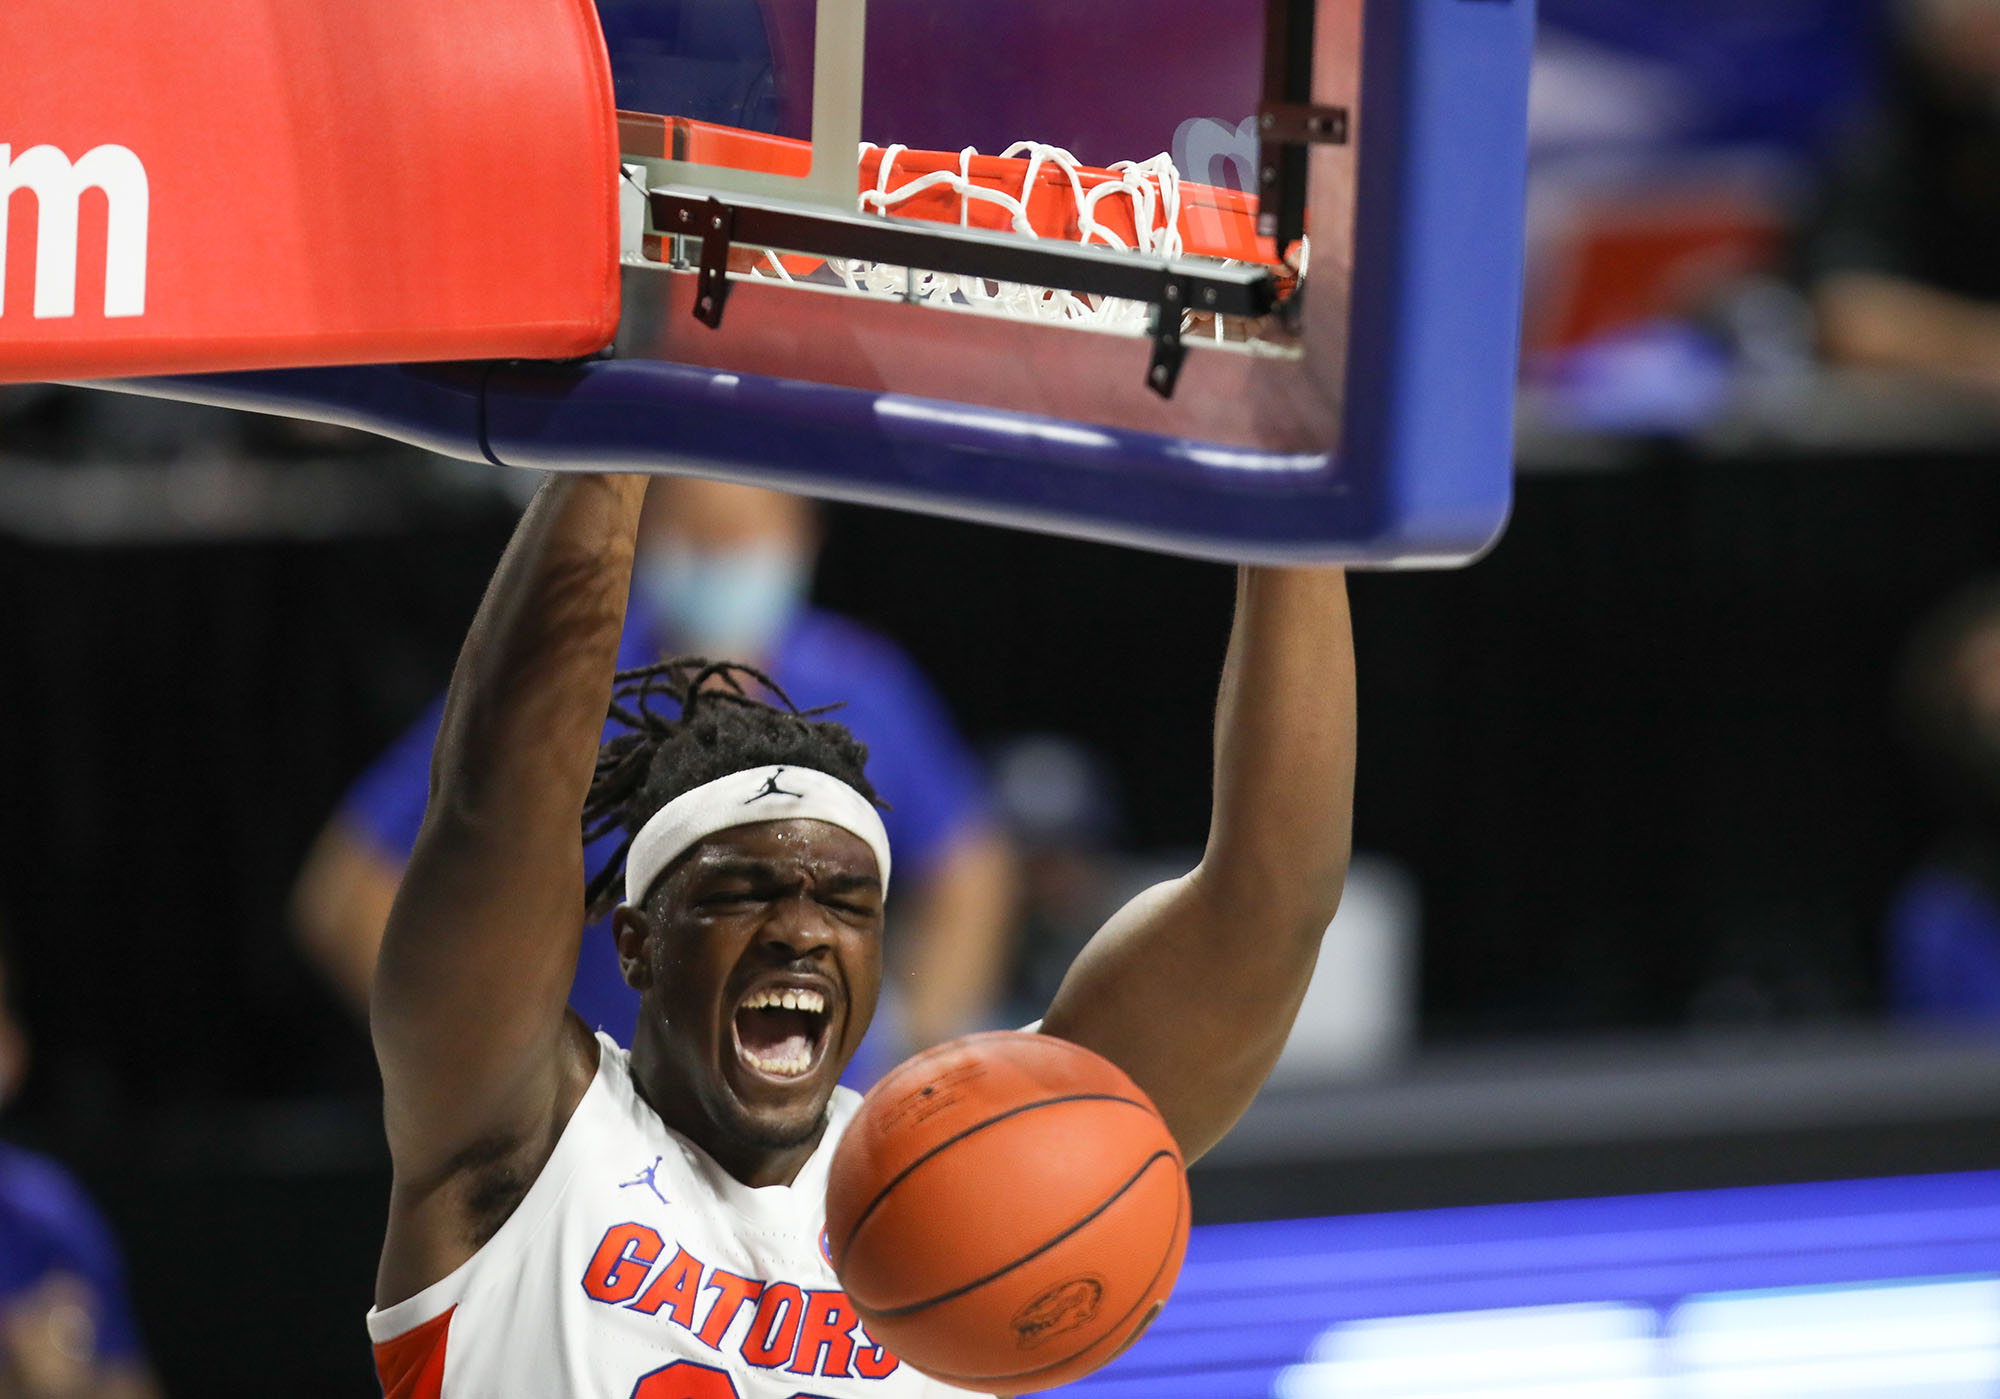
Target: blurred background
(1679, 814)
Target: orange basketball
(1007, 1212)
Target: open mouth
(781, 1030)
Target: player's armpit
(1192, 987)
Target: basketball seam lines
(978, 1283)
(959, 1136)
(969, 1380)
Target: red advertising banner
(199, 185)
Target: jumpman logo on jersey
(645, 1178)
(772, 789)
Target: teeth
(789, 1065)
(786, 1000)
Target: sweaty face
(762, 963)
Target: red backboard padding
(265, 183)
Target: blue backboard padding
(1439, 250)
(974, 463)
(1423, 472)
(438, 407)
(1253, 1298)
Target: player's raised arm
(481, 1064)
(1193, 986)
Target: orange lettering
(732, 1292)
(775, 1329)
(675, 1288)
(621, 1262)
(826, 1346)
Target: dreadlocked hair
(719, 729)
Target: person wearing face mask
(724, 570)
(1900, 257)
(66, 1330)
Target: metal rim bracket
(718, 221)
(1170, 287)
(1169, 352)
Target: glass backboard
(916, 88)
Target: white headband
(747, 798)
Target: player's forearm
(1282, 820)
(1192, 987)
(527, 700)
(1237, 940)
(476, 960)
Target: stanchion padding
(237, 184)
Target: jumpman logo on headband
(772, 789)
(646, 1178)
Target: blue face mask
(727, 604)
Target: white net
(1151, 187)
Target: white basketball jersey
(636, 1268)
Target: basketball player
(569, 1219)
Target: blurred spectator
(66, 1330)
(1062, 810)
(1668, 151)
(1904, 260)
(1771, 74)
(1943, 935)
(1062, 807)
(724, 571)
